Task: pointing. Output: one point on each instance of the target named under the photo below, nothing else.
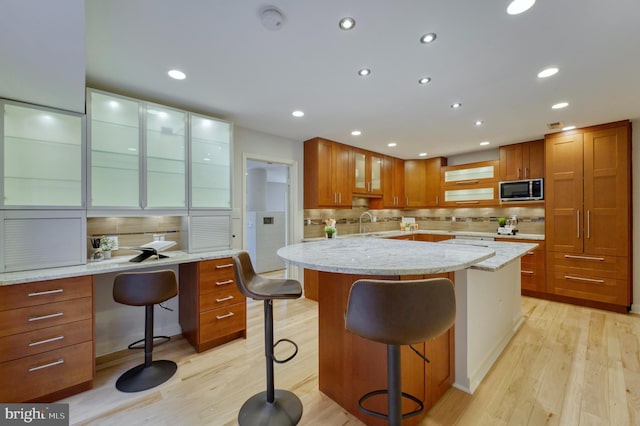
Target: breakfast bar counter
(487, 283)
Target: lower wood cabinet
(212, 309)
(532, 268)
(46, 339)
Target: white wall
(251, 142)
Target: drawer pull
(571, 256)
(227, 265)
(224, 282)
(40, 342)
(591, 280)
(230, 314)
(57, 314)
(467, 202)
(527, 272)
(224, 299)
(467, 182)
(51, 364)
(530, 253)
(44, 293)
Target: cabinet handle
(335, 198)
(40, 342)
(530, 253)
(224, 299)
(591, 280)
(43, 293)
(230, 314)
(224, 282)
(518, 173)
(467, 182)
(578, 223)
(526, 173)
(339, 197)
(57, 314)
(588, 224)
(571, 256)
(51, 364)
(407, 201)
(526, 272)
(226, 265)
(437, 200)
(467, 202)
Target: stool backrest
(401, 312)
(245, 274)
(145, 288)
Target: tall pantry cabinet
(588, 215)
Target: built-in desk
(54, 322)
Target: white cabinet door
(210, 163)
(42, 157)
(115, 141)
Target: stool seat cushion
(145, 288)
(400, 312)
(259, 288)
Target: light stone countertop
(379, 256)
(115, 264)
(506, 252)
(390, 234)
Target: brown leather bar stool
(399, 313)
(273, 406)
(145, 289)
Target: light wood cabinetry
(327, 174)
(212, 309)
(422, 182)
(367, 172)
(393, 196)
(587, 214)
(522, 161)
(46, 339)
(469, 185)
(532, 268)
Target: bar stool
(145, 289)
(399, 313)
(273, 406)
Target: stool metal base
(141, 378)
(285, 410)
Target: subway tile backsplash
(530, 219)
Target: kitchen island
(350, 366)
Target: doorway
(267, 211)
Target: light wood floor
(567, 365)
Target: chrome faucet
(370, 220)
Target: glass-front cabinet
(210, 163)
(42, 152)
(367, 167)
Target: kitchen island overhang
(487, 279)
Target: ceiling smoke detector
(556, 125)
(271, 18)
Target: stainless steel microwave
(521, 190)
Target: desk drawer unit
(212, 309)
(46, 339)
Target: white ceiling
(238, 70)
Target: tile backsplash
(530, 219)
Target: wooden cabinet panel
(597, 266)
(43, 292)
(470, 185)
(327, 174)
(422, 182)
(225, 296)
(603, 289)
(367, 172)
(311, 284)
(20, 320)
(522, 161)
(532, 266)
(223, 322)
(393, 195)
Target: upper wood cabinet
(392, 184)
(468, 185)
(327, 174)
(422, 182)
(522, 160)
(367, 172)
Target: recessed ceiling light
(560, 105)
(517, 7)
(424, 80)
(347, 24)
(485, 143)
(392, 144)
(364, 72)
(564, 129)
(456, 105)
(428, 38)
(356, 133)
(548, 72)
(423, 154)
(178, 75)
(478, 123)
(297, 113)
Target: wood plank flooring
(567, 365)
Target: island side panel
(350, 366)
